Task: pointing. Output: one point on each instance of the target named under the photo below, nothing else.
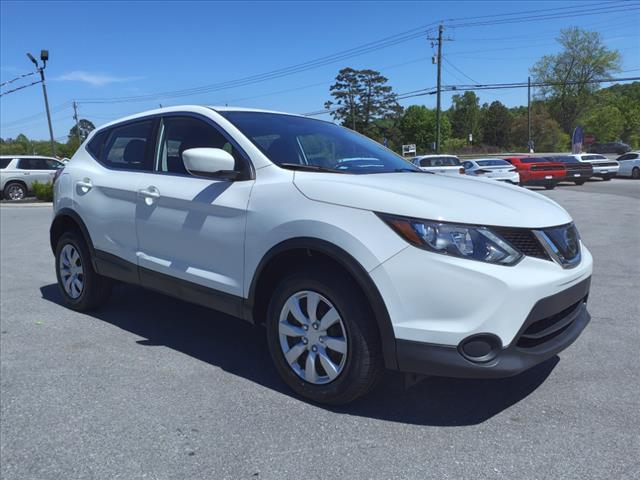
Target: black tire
(364, 364)
(549, 186)
(12, 186)
(635, 173)
(606, 178)
(96, 288)
(579, 182)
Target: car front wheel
(635, 173)
(81, 287)
(322, 337)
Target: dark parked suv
(618, 148)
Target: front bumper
(553, 324)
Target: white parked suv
(17, 174)
(602, 166)
(353, 258)
(444, 164)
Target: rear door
(192, 228)
(105, 191)
(35, 170)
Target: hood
(460, 199)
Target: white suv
(17, 174)
(353, 258)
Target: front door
(191, 228)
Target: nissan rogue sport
(353, 259)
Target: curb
(26, 204)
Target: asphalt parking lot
(152, 387)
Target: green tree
(465, 116)
(496, 125)
(570, 73)
(360, 98)
(418, 125)
(605, 122)
(86, 127)
(546, 133)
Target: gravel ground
(151, 387)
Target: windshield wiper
(309, 168)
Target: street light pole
(44, 56)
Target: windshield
(288, 140)
(493, 163)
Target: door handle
(85, 185)
(149, 194)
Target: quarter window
(4, 162)
(128, 147)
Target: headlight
(464, 241)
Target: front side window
(182, 133)
(290, 141)
(128, 147)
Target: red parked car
(538, 171)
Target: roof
(204, 109)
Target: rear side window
(35, 164)
(4, 162)
(128, 147)
(97, 142)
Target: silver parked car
(629, 165)
(17, 174)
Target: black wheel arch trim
(357, 272)
(68, 212)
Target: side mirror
(209, 162)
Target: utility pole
(75, 117)
(44, 56)
(438, 104)
(438, 61)
(529, 115)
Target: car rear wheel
(579, 182)
(81, 287)
(322, 337)
(635, 173)
(15, 191)
(550, 186)
(606, 178)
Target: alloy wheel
(15, 192)
(71, 271)
(313, 338)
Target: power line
(459, 71)
(20, 88)
(17, 78)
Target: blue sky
(107, 50)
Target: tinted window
(36, 164)
(564, 159)
(299, 140)
(182, 133)
(533, 160)
(492, 163)
(4, 162)
(95, 145)
(467, 165)
(439, 162)
(128, 147)
(594, 157)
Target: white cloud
(95, 79)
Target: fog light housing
(480, 348)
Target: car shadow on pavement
(241, 349)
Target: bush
(43, 191)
